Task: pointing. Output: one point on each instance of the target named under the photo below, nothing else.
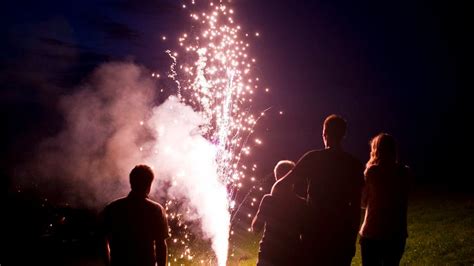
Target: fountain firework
(212, 72)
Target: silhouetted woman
(384, 230)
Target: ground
(440, 225)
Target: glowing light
(213, 75)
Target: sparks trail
(219, 84)
(233, 193)
(213, 75)
(244, 200)
(173, 74)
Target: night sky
(384, 66)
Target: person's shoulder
(267, 199)
(373, 170)
(113, 207)
(311, 155)
(352, 159)
(153, 204)
(315, 152)
(267, 196)
(115, 203)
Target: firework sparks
(221, 84)
(214, 77)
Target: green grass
(441, 229)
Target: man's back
(335, 180)
(133, 225)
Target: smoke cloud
(190, 160)
(89, 160)
(112, 124)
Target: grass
(440, 227)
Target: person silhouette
(282, 216)
(135, 227)
(334, 181)
(385, 198)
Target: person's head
(383, 150)
(334, 130)
(282, 168)
(141, 178)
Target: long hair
(383, 150)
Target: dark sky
(385, 66)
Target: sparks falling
(221, 86)
(212, 72)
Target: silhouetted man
(135, 226)
(334, 184)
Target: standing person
(136, 228)
(334, 186)
(384, 230)
(282, 216)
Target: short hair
(282, 168)
(141, 177)
(335, 127)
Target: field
(440, 225)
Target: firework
(219, 84)
(212, 73)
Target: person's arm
(259, 220)
(106, 253)
(162, 233)
(161, 252)
(368, 186)
(365, 194)
(103, 233)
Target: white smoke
(190, 160)
(111, 124)
(89, 160)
